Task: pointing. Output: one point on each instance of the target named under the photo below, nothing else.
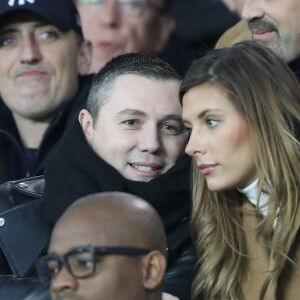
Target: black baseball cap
(61, 13)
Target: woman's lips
(206, 169)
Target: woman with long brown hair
(242, 107)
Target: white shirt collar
(251, 192)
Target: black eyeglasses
(80, 262)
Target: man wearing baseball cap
(43, 60)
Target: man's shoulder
(238, 33)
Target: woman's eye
(188, 130)
(212, 123)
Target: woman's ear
(86, 123)
(154, 266)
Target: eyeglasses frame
(94, 251)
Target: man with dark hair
(43, 56)
(129, 139)
(106, 246)
(117, 27)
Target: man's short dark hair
(144, 65)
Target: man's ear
(84, 58)
(154, 266)
(86, 122)
(167, 26)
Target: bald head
(116, 221)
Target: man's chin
(140, 178)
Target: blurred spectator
(122, 26)
(42, 57)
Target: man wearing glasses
(106, 246)
(122, 26)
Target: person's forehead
(131, 91)
(79, 229)
(97, 227)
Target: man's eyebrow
(139, 113)
(131, 112)
(8, 30)
(173, 117)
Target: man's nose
(29, 51)
(63, 281)
(252, 10)
(111, 13)
(150, 140)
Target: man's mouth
(261, 27)
(146, 168)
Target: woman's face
(220, 141)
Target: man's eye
(212, 123)
(6, 41)
(131, 123)
(131, 3)
(48, 35)
(83, 263)
(172, 129)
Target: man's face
(139, 130)
(113, 30)
(39, 66)
(116, 277)
(275, 24)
